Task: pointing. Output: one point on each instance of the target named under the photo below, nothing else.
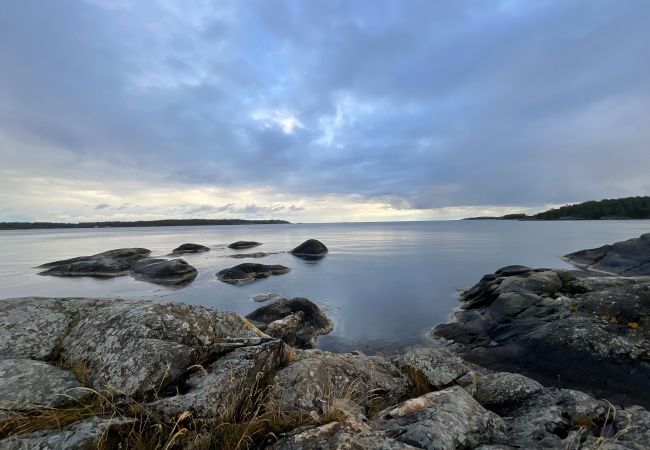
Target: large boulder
(437, 366)
(587, 332)
(190, 248)
(502, 389)
(164, 271)
(317, 381)
(447, 419)
(249, 272)
(311, 248)
(629, 258)
(134, 347)
(298, 321)
(240, 245)
(124, 261)
(26, 384)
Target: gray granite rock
(503, 389)
(26, 384)
(439, 366)
(249, 272)
(315, 379)
(298, 321)
(443, 420)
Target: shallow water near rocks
(383, 284)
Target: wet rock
(124, 261)
(316, 380)
(591, 332)
(512, 270)
(27, 384)
(311, 248)
(88, 434)
(249, 255)
(438, 366)
(239, 245)
(112, 263)
(447, 419)
(629, 258)
(190, 248)
(249, 272)
(132, 346)
(298, 321)
(498, 390)
(164, 271)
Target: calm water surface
(384, 284)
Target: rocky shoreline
(535, 358)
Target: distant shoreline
(138, 223)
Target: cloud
(102, 206)
(417, 108)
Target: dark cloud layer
(419, 104)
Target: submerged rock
(248, 272)
(629, 258)
(298, 321)
(164, 271)
(124, 261)
(191, 248)
(249, 255)
(311, 248)
(244, 244)
(259, 298)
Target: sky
(319, 111)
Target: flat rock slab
(240, 245)
(249, 255)
(249, 272)
(298, 322)
(628, 258)
(125, 261)
(190, 248)
(27, 384)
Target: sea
(384, 285)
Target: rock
(629, 258)
(248, 272)
(88, 434)
(348, 433)
(512, 270)
(498, 390)
(438, 366)
(164, 271)
(125, 261)
(27, 384)
(112, 263)
(132, 346)
(316, 381)
(259, 298)
(298, 321)
(249, 255)
(190, 248)
(239, 245)
(224, 384)
(592, 332)
(447, 419)
(311, 248)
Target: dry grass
(604, 438)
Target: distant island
(137, 223)
(608, 209)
